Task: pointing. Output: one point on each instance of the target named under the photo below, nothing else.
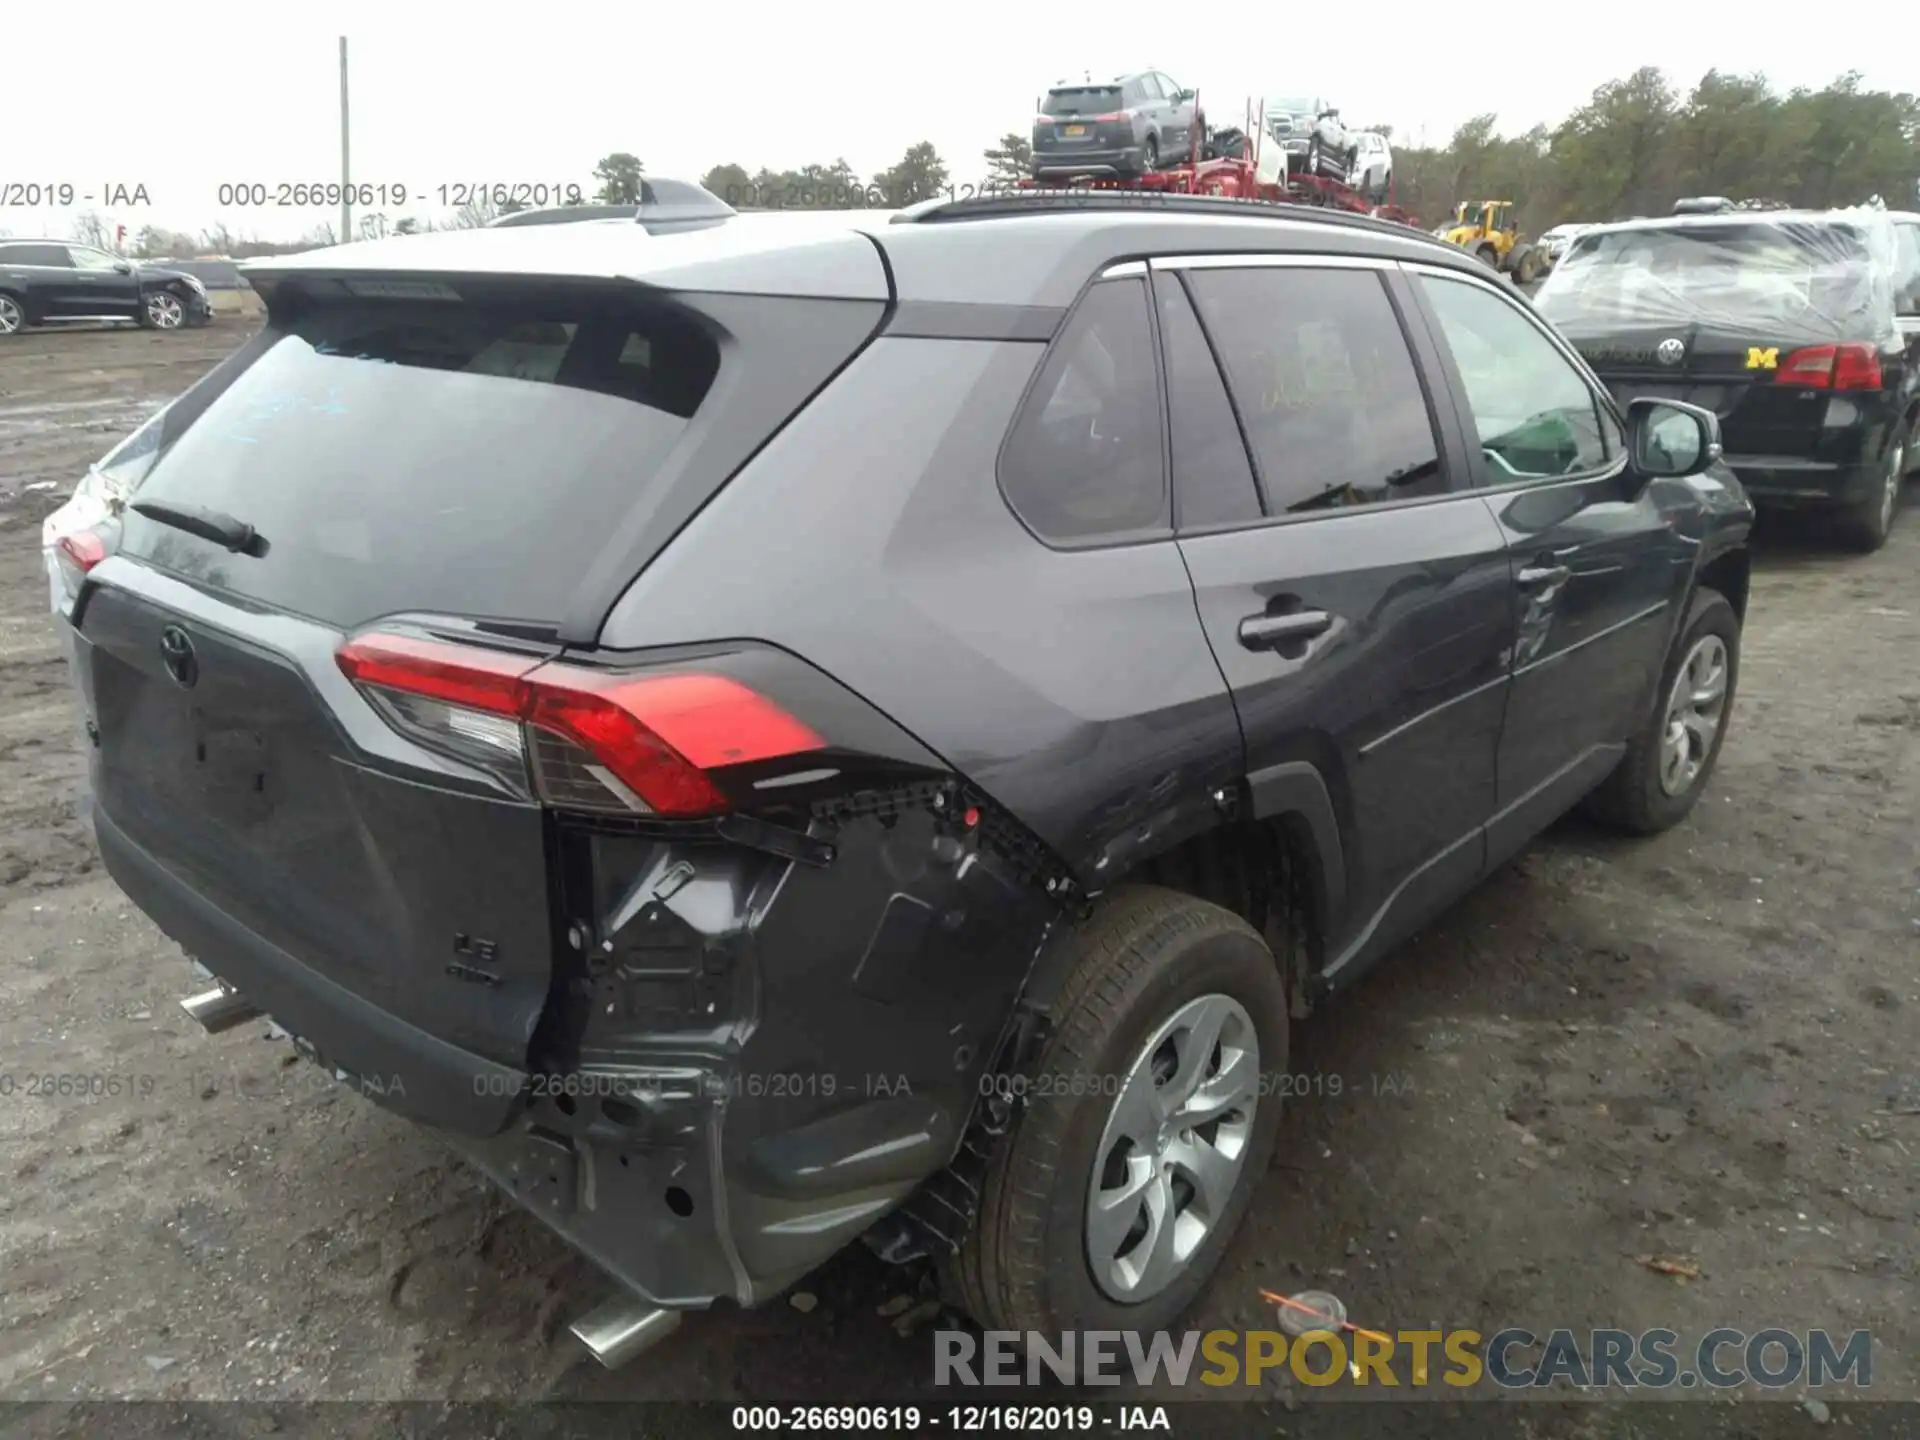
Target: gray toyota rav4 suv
(847, 726)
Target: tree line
(1639, 144)
(1636, 146)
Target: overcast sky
(181, 100)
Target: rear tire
(1866, 524)
(1645, 795)
(13, 314)
(1150, 155)
(1037, 1257)
(1489, 256)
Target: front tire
(162, 310)
(1668, 763)
(1146, 1129)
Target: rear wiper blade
(215, 525)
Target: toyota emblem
(1671, 352)
(176, 653)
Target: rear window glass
(1082, 100)
(1770, 267)
(1082, 464)
(451, 458)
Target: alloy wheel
(11, 319)
(1175, 1142)
(1695, 708)
(165, 311)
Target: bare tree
(91, 229)
(476, 214)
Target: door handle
(1542, 576)
(1263, 632)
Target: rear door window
(1324, 384)
(445, 457)
(52, 256)
(1907, 272)
(1082, 464)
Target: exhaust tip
(623, 1329)
(219, 1009)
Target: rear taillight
(589, 739)
(1831, 367)
(79, 553)
(1113, 117)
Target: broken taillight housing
(78, 553)
(1831, 367)
(590, 739)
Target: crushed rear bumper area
(748, 1059)
(1786, 483)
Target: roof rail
(1028, 202)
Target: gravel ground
(1698, 1046)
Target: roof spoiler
(665, 205)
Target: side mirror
(123, 266)
(1670, 440)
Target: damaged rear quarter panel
(1075, 688)
(791, 1046)
(856, 1006)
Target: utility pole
(346, 172)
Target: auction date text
(28, 194)
(305, 194)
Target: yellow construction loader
(1486, 227)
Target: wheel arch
(1277, 859)
(1730, 573)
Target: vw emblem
(176, 653)
(1671, 352)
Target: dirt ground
(1699, 1046)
